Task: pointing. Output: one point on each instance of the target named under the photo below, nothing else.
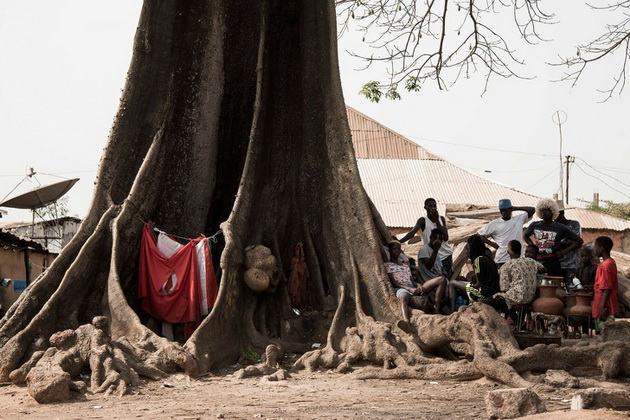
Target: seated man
(517, 281)
(400, 276)
(481, 283)
(587, 267)
(430, 265)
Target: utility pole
(559, 117)
(568, 160)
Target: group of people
(509, 280)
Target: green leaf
(252, 355)
(372, 91)
(392, 93)
(412, 84)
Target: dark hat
(505, 203)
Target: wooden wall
(12, 267)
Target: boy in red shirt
(605, 304)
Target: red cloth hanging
(181, 304)
(297, 279)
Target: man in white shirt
(505, 229)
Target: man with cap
(505, 229)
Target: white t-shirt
(445, 249)
(504, 231)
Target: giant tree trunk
(233, 117)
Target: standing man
(548, 235)
(570, 261)
(505, 229)
(605, 304)
(426, 225)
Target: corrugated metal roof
(593, 220)
(372, 140)
(398, 188)
(399, 175)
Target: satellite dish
(41, 196)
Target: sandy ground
(321, 395)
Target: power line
(505, 172)
(602, 181)
(492, 149)
(603, 173)
(543, 178)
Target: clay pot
(583, 304)
(548, 303)
(554, 280)
(569, 302)
(561, 293)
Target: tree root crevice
(115, 367)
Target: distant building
(53, 234)
(21, 262)
(399, 175)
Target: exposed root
(270, 365)
(409, 351)
(460, 371)
(115, 366)
(609, 358)
(368, 340)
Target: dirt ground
(319, 395)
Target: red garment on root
(181, 305)
(296, 283)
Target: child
(605, 304)
(400, 276)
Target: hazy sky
(63, 65)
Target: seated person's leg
(454, 287)
(423, 303)
(438, 283)
(404, 295)
(447, 264)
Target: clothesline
(213, 238)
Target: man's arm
(419, 225)
(602, 304)
(435, 246)
(576, 243)
(505, 278)
(488, 241)
(443, 227)
(527, 235)
(529, 210)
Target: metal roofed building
(399, 175)
(53, 234)
(596, 224)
